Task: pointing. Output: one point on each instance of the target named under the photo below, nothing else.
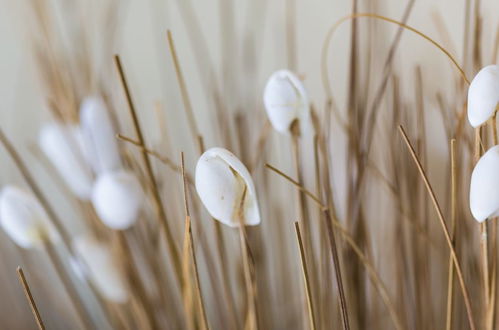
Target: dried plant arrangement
(272, 208)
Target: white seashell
(286, 100)
(99, 136)
(483, 95)
(117, 198)
(96, 262)
(220, 181)
(23, 218)
(484, 186)
(63, 146)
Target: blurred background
(244, 47)
(141, 41)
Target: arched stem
(325, 46)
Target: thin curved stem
(325, 46)
(448, 238)
(374, 276)
(298, 185)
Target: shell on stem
(484, 186)
(286, 101)
(221, 182)
(483, 95)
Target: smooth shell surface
(220, 182)
(117, 198)
(483, 95)
(286, 100)
(96, 262)
(63, 146)
(99, 135)
(23, 218)
(484, 186)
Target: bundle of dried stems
(385, 252)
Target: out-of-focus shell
(96, 262)
(117, 198)
(99, 136)
(63, 146)
(23, 218)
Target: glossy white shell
(220, 189)
(285, 100)
(63, 146)
(23, 218)
(96, 262)
(483, 95)
(99, 136)
(484, 186)
(117, 198)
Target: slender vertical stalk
(493, 279)
(337, 270)
(186, 280)
(29, 297)
(376, 280)
(483, 240)
(218, 230)
(306, 280)
(81, 312)
(135, 281)
(185, 95)
(491, 318)
(197, 282)
(325, 270)
(190, 246)
(485, 263)
(251, 321)
(302, 206)
(450, 287)
(332, 245)
(163, 221)
(434, 200)
(222, 254)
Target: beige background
(142, 45)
